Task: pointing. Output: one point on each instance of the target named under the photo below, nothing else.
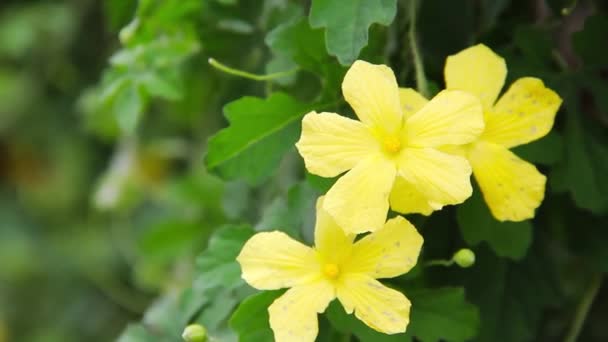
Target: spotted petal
(476, 70)
(450, 118)
(358, 201)
(440, 177)
(372, 92)
(523, 114)
(273, 260)
(293, 316)
(332, 144)
(411, 101)
(407, 199)
(331, 241)
(388, 252)
(512, 187)
(381, 308)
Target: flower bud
(195, 333)
(464, 258)
(126, 33)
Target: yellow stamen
(392, 144)
(331, 270)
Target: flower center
(331, 270)
(392, 144)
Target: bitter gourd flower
(511, 187)
(336, 267)
(392, 153)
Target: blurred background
(106, 107)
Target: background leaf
(347, 23)
(260, 132)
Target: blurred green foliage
(132, 171)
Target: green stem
(583, 308)
(421, 82)
(439, 262)
(222, 67)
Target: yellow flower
(392, 153)
(335, 267)
(512, 187)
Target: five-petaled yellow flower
(337, 267)
(512, 187)
(392, 153)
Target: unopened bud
(464, 258)
(126, 33)
(195, 333)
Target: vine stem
(439, 262)
(583, 308)
(236, 72)
(421, 81)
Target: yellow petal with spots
(332, 144)
(406, 199)
(388, 252)
(293, 316)
(333, 244)
(477, 70)
(372, 92)
(451, 118)
(273, 260)
(381, 308)
(526, 112)
(512, 187)
(358, 201)
(411, 101)
(440, 177)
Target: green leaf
(442, 315)
(163, 85)
(436, 315)
(507, 239)
(585, 166)
(217, 265)
(137, 333)
(250, 319)
(511, 296)
(547, 150)
(260, 132)
(349, 324)
(347, 23)
(586, 42)
(128, 104)
(297, 41)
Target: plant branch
(583, 308)
(421, 81)
(236, 72)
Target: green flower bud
(195, 333)
(126, 34)
(464, 258)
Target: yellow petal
(331, 144)
(331, 241)
(477, 70)
(381, 308)
(358, 201)
(442, 178)
(411, 101)
(451, 118)
(406, 199)
(512, 187)
(387, 252)
(273, 260)
(293, 316)
(524, 113)
(372, 92)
